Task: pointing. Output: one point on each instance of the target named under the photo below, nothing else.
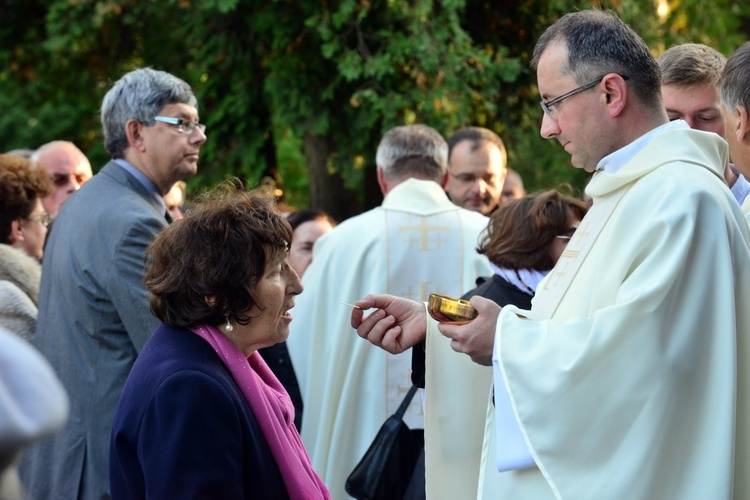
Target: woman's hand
(476, 338)
(395, 326)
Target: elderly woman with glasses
(23, 228)
(201, 414)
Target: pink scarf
(274, 412)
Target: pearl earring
(229, 326)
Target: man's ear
(445, 180)
(381, 181)
(743, 125)
(616, 93)
(133, 130)
(16, 234)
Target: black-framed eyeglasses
(184, 126)
(547, 105)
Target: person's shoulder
(17, 266)
(119, 209)
(14, 297)
(500, 291)
(471, 221)
(174, 352)
(482, 282)
(168, 342)
(473, 216)
(18, 312)
(681, 178)
(356, 229)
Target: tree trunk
(326, 189)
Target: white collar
(615, 161)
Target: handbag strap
(407, 400)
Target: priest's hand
(477, 337)
(395, 326)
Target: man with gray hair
(415, 243)
(690, 77)
(93, 309)
(735, 107)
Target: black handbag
(387, 466)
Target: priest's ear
(615, 93)
(743, 126)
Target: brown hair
(220, 250)
(691, 64)
(519, 233)
(20, 186)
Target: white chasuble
(417, 242)
(636, 385)
(418, 246)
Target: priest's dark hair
(477, 137)
(598, 43)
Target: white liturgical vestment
(416, 243)
(635, 383)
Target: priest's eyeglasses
(184, 126)
(547, 105)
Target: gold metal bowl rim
(448, 309)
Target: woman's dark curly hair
(520, 233)
(204, 268)
(20, 186)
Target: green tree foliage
(300, 91)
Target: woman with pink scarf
(201, 415)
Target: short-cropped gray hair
(139, 95)
(735, 91)
(413, 150)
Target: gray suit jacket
(93, 320)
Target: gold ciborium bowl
(449, 310)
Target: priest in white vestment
(630, 375)
(416, 243)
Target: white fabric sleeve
(512, 451)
